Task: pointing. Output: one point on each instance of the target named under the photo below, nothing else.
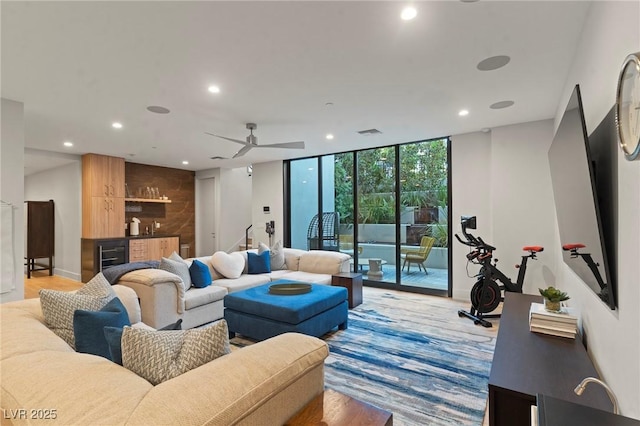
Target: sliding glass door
(385, 207)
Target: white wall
(612, 31)
(470, 166)
(268, 190)
(232, 206)
(12, 191)
(63, 185)
(235, 214)
(503, 178)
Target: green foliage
(440, 232)
(423, 180)
(553, 294)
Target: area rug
(412, 355)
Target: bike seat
(568, 247)
(533, 249)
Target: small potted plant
(552, 298)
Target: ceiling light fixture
(185, 162)
(116, 125)
(214, 89)
(68, 144)
(329, 136)
(493, 63)
(408, 13)
(463, 112)
(501, 104)
(158, 109)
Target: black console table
(556, 412)
(527, 363)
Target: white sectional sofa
(164, 299)
(45, 381)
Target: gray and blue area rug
(412, 355)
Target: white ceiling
(78, 66)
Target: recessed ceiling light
(463, 112)
(116, 125)
(185, 162)
(158, 109)
(501, 104)
(68, 144)
(214, 89)
(408, 13)
(329, 136)
(493, 63)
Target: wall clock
(628, 107)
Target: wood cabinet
(138, 250)
(526, 364)
(102, 196)
(152, 248)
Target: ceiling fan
(252, 142)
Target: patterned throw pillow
(113, 335)
(158, 356)
(58, 306)
(177, 267)
(276, 255)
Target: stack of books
(563, 324)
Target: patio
(436, 279)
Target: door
(205, 217)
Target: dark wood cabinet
(40, 235)
(353, 283)
(526, 364)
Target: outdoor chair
(325, 235)
(417, 255)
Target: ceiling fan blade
(229, 139)
(293, 145)
(243, 150)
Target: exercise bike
(593, 266)
(486, 293)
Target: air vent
(370, 132)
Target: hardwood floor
(41, 279)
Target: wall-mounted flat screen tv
(574, 191)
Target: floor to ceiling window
(386, 207)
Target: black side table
(352, 281)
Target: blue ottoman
(257, 314)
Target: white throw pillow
(276, 255)
(230, 265)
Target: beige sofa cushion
(151, 277)
(322, 262)
(203, 296)
(23, 330)
(245, 380)
(244, 282)
(292, 258)
(83, 389)
(307, 277)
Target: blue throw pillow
(88, 327)
(114, 339)
(259, 263)
(200, 275)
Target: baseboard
(66, 274)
